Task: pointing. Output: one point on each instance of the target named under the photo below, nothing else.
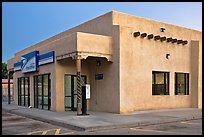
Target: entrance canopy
(82, 45)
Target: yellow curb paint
(44, 132)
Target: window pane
(182, 84)
(75, 101)
(39, 101)
(67, 85)
(45, 107)
(160, 83)
(83, 80)
(26, 86)
(22, 86)
(68, 102)
(75, 85)
(45, 92)
(22, 100)
(45, 85)
(26, 100)
(159, 78)
(39, 85)
(159, 87)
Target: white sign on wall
(88, 91)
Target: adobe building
(131, 64)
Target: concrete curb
(46, 120)
(138, 124)
(97, 128)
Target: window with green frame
(42, 93)
(160, 83)
(181, 83)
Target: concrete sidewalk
(101, 120)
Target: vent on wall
(158, 37)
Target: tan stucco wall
(140, 56)
(92, 43)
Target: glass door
(71, 91)
(42, 92)
(23, 91)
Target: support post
(9, 91)
(78, 69)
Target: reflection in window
(160, 83)
(181, 83)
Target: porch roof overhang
(81, 45)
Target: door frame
(72, 89)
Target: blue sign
(29, 62)
(46, 58)
(17, 66)
(98, 76)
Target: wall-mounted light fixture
(162, 29)
(98, 63)
(169, 39)
(162, 38)
(150, 36)
(167, 56)
(156, 37)
(185, 42)
(144, 35)
(174, 40)
(136, 34)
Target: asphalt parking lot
(17, 125)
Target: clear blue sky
(27, 23)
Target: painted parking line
(191, 123)
(57, 132)
(45, 132)
(159, 131)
